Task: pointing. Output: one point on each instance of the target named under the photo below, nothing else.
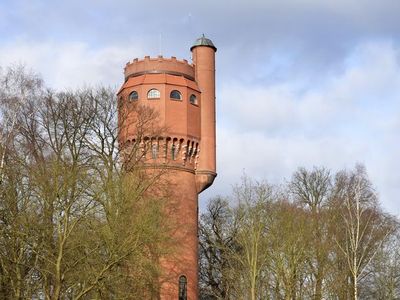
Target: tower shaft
(183, 97)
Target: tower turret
(203, 55)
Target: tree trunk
(318, 287)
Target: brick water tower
(183, 95)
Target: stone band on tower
(183, 95)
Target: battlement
(175, 151)
(157, 65)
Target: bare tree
(365, 227)
(252, 214)
(383, 274)
(312, 190)
(290, 249)
(76, 222)
(317, 237)
(217, 233)
(16, 85)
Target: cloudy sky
(299, 83)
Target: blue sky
(299, 83)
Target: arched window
(133, 96)
(182, 288)
(193, 99)
(153, 94)
(176, 95)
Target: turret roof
(203, 41)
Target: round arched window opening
(193, 99)
(153, 94)
(133, 96)
(175, 95)
(182, 288)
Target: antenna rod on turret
(159, 45)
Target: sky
(300, 83)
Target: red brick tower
(183, 94)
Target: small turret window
(153, 94)
(193, 99)
(182, 288)
(133, 96)
(176, 95)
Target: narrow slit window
(182, 288)
(173, 152)
(154, 151)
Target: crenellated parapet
(169, 151)
(158, 65)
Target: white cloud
(370, 79)
(348, 118)
(71, 64)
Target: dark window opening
(193, 99)
(133, 96)
(176, 95)
(182, 288)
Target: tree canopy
(75, 219)
(318, 236)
